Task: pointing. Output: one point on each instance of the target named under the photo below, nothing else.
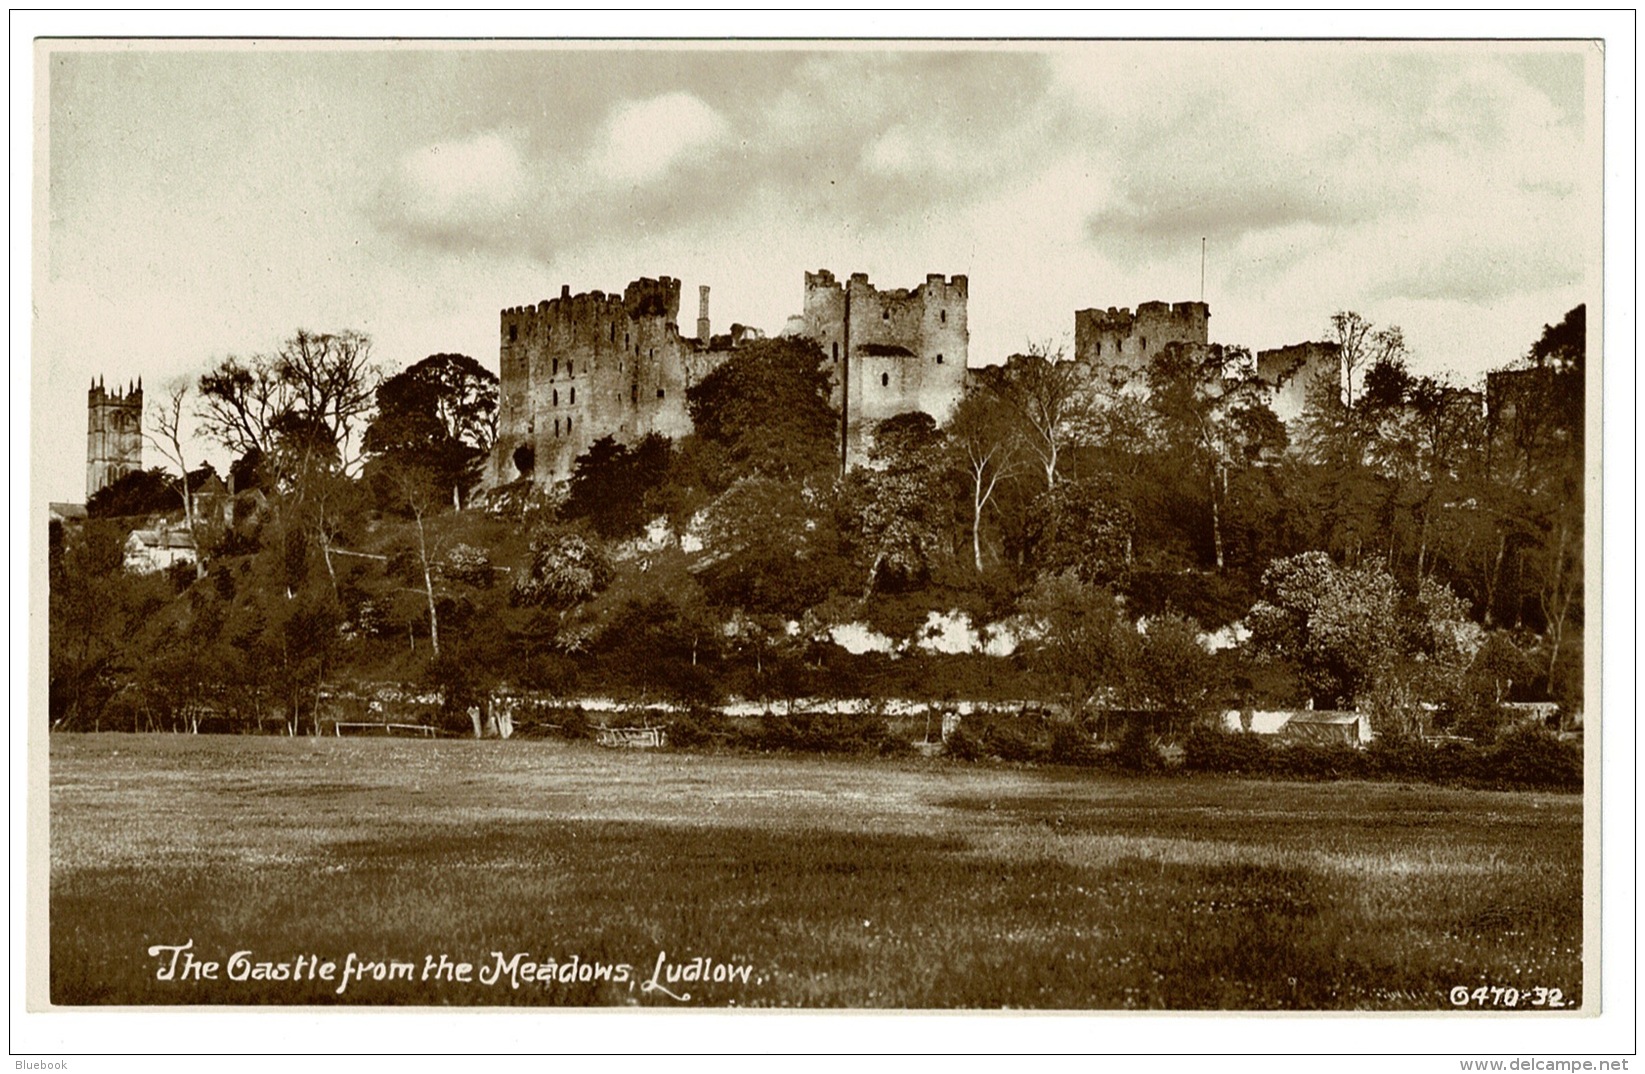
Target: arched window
(556, 398)
(885, 380)
(574, 397)
(556, 426)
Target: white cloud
(453, 183)
(643, 139)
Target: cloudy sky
(204, 200)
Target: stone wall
(1118, 344)
(581, 367)
(891, 351)
(1288, 371)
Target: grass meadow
(829, 882)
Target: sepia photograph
(916, 525)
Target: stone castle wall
(1288, 371)
(891, 351)
(581, 367)
(1118, 344)
(114, 435)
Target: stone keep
(581, 367)
(1118, 344)
(114, 435)
(890, 352)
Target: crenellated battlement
(1121, 341)
(114, 433)
(890, 350)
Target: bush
(962, 746)
(1009, 742)
(1071, 744)
(1535, 757)
(1210, 749)
(700, 727)
(1137, 751)
(1306, 760)
(828, 733)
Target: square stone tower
(114, 434)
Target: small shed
(1322, 728)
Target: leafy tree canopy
(767, 407)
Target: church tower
(114, 434)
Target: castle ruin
(1288, 371)
(114, 434)
(581, 367)
(891, 352)
(1118, 344)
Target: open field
(829, 882)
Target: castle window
(944, 316)
(1144, 342)
(568, 426)
(885, 315)
(574, 397)
(613, 332)
(556, 397)
(568, 368)
(885, 380)
(556, 426)
(625, 339)
(1099, 348)
(836, 350)
(939, 359)
(659, 393)
(556, 368)
(633, 393)
(513, 332)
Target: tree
(896, 505)
(332, 381)
(566, 569)
(316, 390)
(166, 418)
(1357, 640)
(611, 484)
(1215, 414)
(95, 609)
(1081, 527)
(981, 443)
(140, 492)
(767, 410)
(440, 414)
(1071, 632)
(1362, 345)
(769, 546)
(1047, 397)
(1165, 667)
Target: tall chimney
(702, 314)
